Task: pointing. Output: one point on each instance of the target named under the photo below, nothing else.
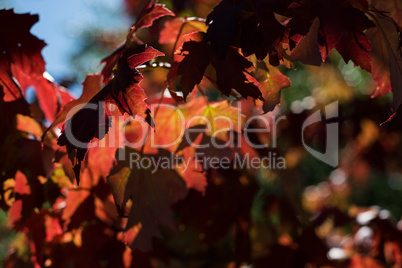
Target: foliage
(88, 206)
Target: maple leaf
(387, 57)
(170, 134)
(21, 206)
(106, 211)
(249, 25)
(171, 123)
(59, 177)
(175, 30)
(218, 208)
(19, 48)
(46, 91)
(110, 62)
(125, 91)
(392, 8)
(273, 81)
(101, 156)
(193, 174)
(28, 125)
(118, 182)
(149, 14)
(342, 27)
(80, 206)
(192, 67)
(15, 214)
(42, 228)
(222, 117)
(22, 63)
(88, 123)
(92, 120)
(169, 126)
(231, 71)
(307, 50)
(152, 191)
(21, 184)
(92, 85)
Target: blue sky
(60, 23)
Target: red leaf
(249, 25)
(152, 191)
(118, 182)
(132, 101)
(20, 50)
(132, 233)
(150, 13)
(28, 125)
(176, 30)
(21, 184)
(192, 173)
(106, 211)
(15, 213)
(139, 58)
(271, 86)
(231, 71)
(393, 8)
(308, 51)
(110, 62)
(101, 157)
(387, 58)
(22, 62)
(342, 27)
(178, 27)
(192, 67)
(92, 85)
(92, 121)
(148, 16)
(75, 197)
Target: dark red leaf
(152, 191)
(387, 58)
(342, 27)
(110, 61)
(149, 15)
(249, 25)
(180, 26)
(393, 8)
(22, 63)
(92, 121)
(193, 66)
(146, 55)
(19, 48)
(308, 51)
(231, 71)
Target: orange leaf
(92, 85)
(29, 125)
(271, 86)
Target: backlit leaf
(387, 58)
(342, 27)
(231, 71)
(152, 191)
